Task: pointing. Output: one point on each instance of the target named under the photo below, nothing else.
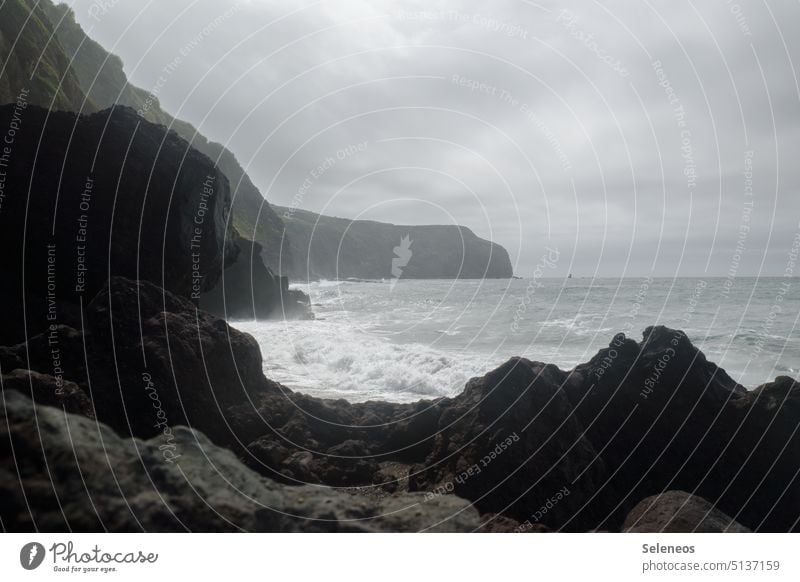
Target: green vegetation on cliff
(31, 59)
(87, 72)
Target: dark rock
(170, 357)
(73, 474)
(101, 195)
(154, 360)
(569, 451)
(337, 248)
(9, 359)
(250, 290)
(496, 523)
(654, 410)
(755, 476)
(586, 446)
(50, 391)
(679, 512)
(509, 443)
(101, 76)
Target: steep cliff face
(338, 248)
(101, 76)
(86, 197)
(250, 290)
(33, 62)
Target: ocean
(404, 340)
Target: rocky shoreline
(527, 447)
(122, 348)
(129, 404)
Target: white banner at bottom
(399, 557)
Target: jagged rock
(570, 450)
(49, 390)
(153, 209)
(679, 512)
(153, 359)
(509, 443)
(74, 474)
(756, 477)
(249, 290)
(594, 433)
(666, 418)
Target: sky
(634, 138)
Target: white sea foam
(332, 360)
(425, 339)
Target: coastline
(594, 435)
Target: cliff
(324, 247)
(249, 290)
(91, 78)
(31, 61)
(88, 197)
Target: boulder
(679, 512)
(152, 359)
(664, 417)
(509, 443)
(49, 390)
(73, 474)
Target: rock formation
(62, 472)
(94, 196)
(249, 290)
(100, 76)
(679, 512)
(323, 247)
(527, 443)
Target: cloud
(617, 132)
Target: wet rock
(248, 289)
(49, 390)
(679, 512)
(509, 443)
(153, 208)
(76, 475)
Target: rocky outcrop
(151, 359)
(100, 75)
(509, 443)
(570, 450)
(249, 290)
(679, 512)
(93, 196)
(666, 418)
(323, 247)
(62, 472)
(527, 444)
(49, 390)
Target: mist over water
(425, 338)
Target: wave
(331, 360)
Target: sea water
(403, 340)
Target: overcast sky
(621, 133)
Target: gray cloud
(530, 124)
